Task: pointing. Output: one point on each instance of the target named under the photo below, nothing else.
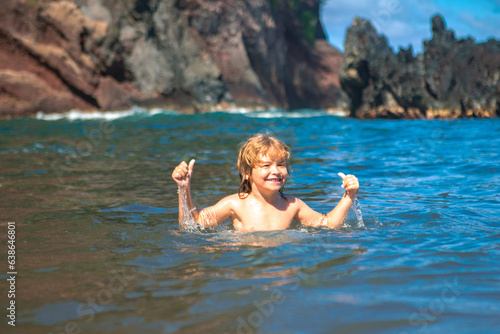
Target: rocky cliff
(452, 78)
(190, 55)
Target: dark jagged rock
(270, 53)
(190, 55)
(452, 78)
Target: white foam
(49, 117)
(339, 113)
(286, 114)
(73, 115)
(277, 113)
(242, 110)
(237, 111)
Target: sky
(406, 22)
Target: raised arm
(182, 176)
(206, 217)
(334, 218)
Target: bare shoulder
(227, 199)
(231, 201)
(297, 204)
(294, 201)
(224, 208)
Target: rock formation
(270, 52)
(189, 55)
(452, 78)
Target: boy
(260, 204)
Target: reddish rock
(40, 65)
(112, 95)
(189, 55)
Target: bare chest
(256, 216)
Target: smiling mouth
(274, 179)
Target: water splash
(357, 211)
(186, 221)
(354, 215)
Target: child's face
(269, 174)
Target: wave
(285, 114)
(279, 113)
(73, 115)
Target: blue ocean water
(99, 248)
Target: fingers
(183, 171)
(350, 182)
(342, 175)
(177, 174)
(191, 166)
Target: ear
(246, 177)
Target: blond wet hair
(251, 153)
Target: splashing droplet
(186, 220)
(357, 210)
(354, 215)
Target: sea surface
(99, 248)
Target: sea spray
(186, 220)
(357, 210)
(354, 215)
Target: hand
(182, 173)
(350, 184)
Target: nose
(274, 169)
